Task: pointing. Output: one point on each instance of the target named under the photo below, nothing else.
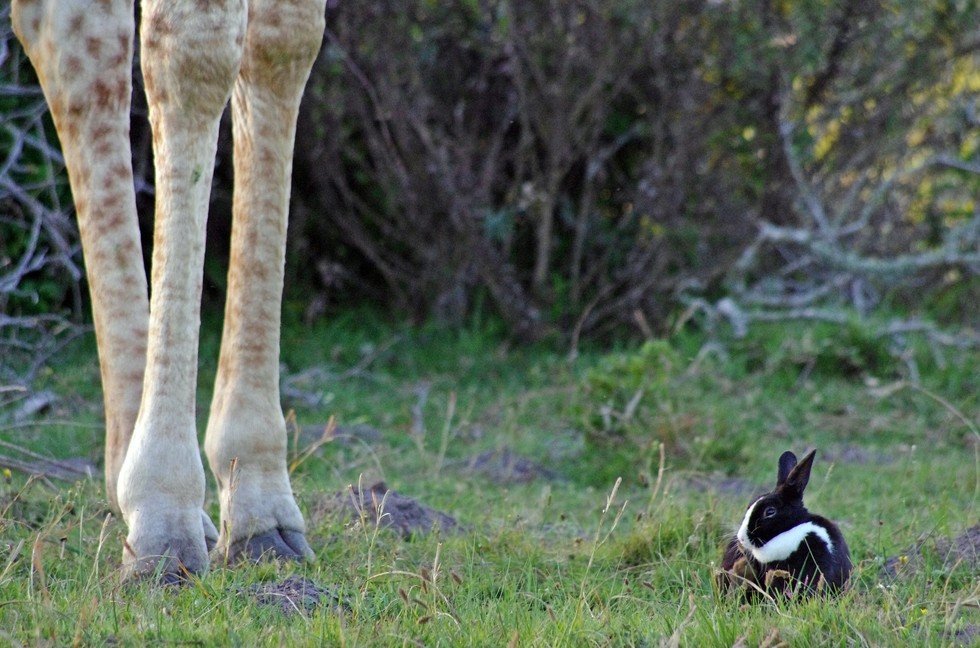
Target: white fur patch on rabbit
(783, 545)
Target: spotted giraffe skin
(195, 55)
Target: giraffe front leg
(191, 54)
(83, 55)
(246, 438)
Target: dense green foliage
(567, 559)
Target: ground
(504, 522)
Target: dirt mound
(505, 466)
(340, 434)
(377, 505)
(295, 594)
(963, 549)
(722, 485)
(966, 636)
(966, 546)
(857, 455)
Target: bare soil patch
(379, 506)
(964, 549)
(504, 466)
(295, 594)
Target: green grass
(573, 561)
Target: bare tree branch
(40, 256)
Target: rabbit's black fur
(782, 548)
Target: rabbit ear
(786, 463)
(798, 477)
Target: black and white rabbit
(781, 547)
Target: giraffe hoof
(179, 559)
(275, 543)
(175, 565)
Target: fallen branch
(46, 468)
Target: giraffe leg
(83, 55)
(246, 436)
(191, 53)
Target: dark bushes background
(588, 167)
(581, 166)
(551, 158)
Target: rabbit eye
(769, 512)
